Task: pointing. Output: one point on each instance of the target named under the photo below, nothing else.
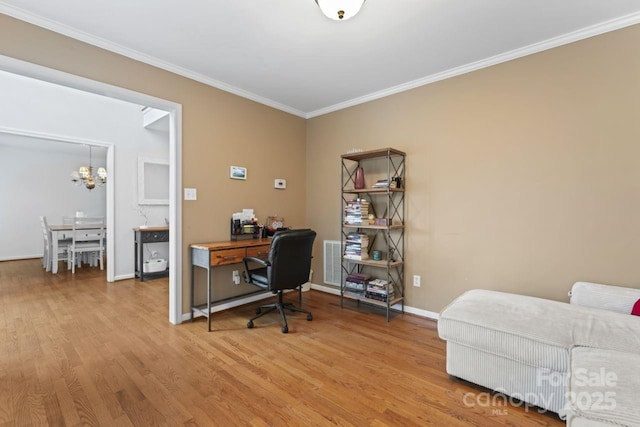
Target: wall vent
(332, 262)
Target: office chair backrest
(290, 258)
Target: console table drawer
(154, 236)
(258, 251)
(229, 256)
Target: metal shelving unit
(389, 164)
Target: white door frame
(27, 69)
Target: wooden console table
(216, 254)
(141, 237)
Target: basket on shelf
(154, 265)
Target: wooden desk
(216, 254)
(64, 232)
(147, 235)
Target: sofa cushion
(535, 331)
(518, 327)
(604, 386)
(604, 297)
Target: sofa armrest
(605, 297)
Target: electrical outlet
(236, 277)
(416, 280)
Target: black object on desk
(241, 230)
(140, 238)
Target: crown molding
(584, 33)
(138, 56)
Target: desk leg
(193, 278)
(209, 299)
(54, 252)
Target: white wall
(35, 182)
(35, 106)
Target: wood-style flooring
(76, 350)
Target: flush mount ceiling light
(340, 10)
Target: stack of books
(356, 212)
(356, 283)
(357, 246)
(384, 183)
(380, 290)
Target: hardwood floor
(78, 350)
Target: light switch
(280, 184)
(190, 194)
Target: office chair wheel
(285, 329)
(250, 324)
(309, 317)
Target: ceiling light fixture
(85, 176)
(340, 10)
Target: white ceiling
(286, 54)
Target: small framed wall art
(238, 172)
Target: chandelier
(340, 10)
(84, 175)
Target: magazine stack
(356, 212)
(380, 290)
(356, 283)
(356, 246)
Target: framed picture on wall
(153, 181)
(238, 172)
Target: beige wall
(219, 130)
(523, 177)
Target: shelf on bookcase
(372, 263)
(357, 297)
(372, 154)
(376, 227)
(373, 190)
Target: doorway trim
(50, 75)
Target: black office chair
(286, 267)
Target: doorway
(37, 72)
(42, 164)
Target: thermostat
(280, 184)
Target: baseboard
(422, 313)
(20, 257)
(411, 310)
(328, 289)
(230, 304)
(322, 288)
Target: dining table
(64, 232)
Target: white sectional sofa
(528, 348)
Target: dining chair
(46, 252)
(47, 255)
(87, 237)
